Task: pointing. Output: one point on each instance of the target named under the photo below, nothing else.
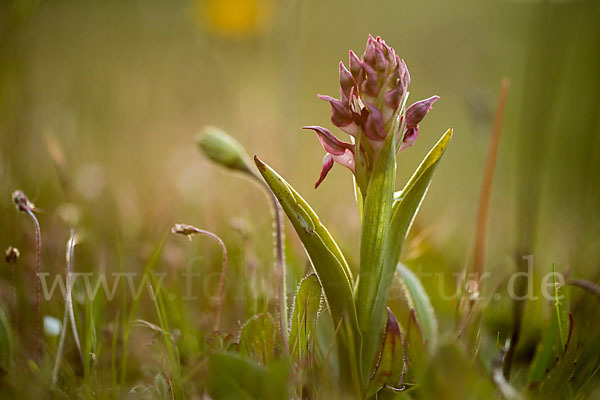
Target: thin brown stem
(38, 243)
(221, 278)
(586, 285)
(14, 294)
(280, 268)
(486, 187)
(189, 230)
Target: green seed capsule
(221, 148)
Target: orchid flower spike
(373, 92)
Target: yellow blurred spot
(236, 17)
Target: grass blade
(419, 301)
(69, 314)
(555, 338)
(130, 314)
(561, 312)
(5, 343)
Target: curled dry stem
(189, 230)
(24, 205)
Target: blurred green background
(123, 86)
(117, 89)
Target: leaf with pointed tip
(325, 255)
(419, 301)
(390, 364)
(257, 338)
(304, 317)
(327, 260)
(5, 342)
(405, 207)
(416, 352)
(377, 213)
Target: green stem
(279, 264)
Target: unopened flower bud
(414, 115)
(185, 230)
(340, 114)
(223, 149)
(22, 202)
(346, 81)
(417, 111)
(12, 255)
(355, 67)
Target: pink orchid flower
(372, 95)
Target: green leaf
(231, 376)
(405, 207)
(544, 355)
(324, 253)
(373, 247)
(5, 343)
(560, 376)
(555, 338)
(415, 346)
(328, 263)
(390, 365)
(304, 317)
(561, 312)
(257, 339)
(419, 301)
(417, 185)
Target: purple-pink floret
(414, 115)
(372, 91)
